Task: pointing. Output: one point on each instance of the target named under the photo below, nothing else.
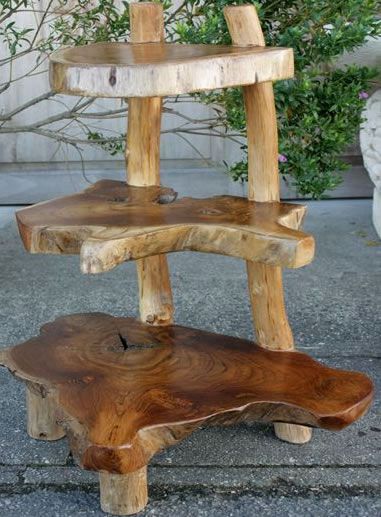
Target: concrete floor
(334, 309)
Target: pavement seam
(284, 488)
(207, 466)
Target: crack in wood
(135, 346)
(123, 341)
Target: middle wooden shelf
(112, 222)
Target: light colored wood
(262, 138)
(41, 408)
(110, 223)
(265, 282)
(143, 141)
(224, 225)
(123, 494)
(146, 22)
(269, 313)
(155, 293)
(162, 69)
(127, 389)
(143, 166)
(244, 26)
(292, 433)
(262, 134)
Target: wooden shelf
(126, 389)
(112, 222)
(160, 69)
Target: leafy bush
(319, 112)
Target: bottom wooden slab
(124, 389)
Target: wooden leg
(155, 294)
(143, 159)
(41, 415)
(293, 433)
(143, 165)
(265, 282)
(272, 329)
(124, 494)
(269, 313)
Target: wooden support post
(143, 164)
(123, 494)
(265, 282)
(41, 414)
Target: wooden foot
(293, 433)
(124, 494)
(273, 330)
(41, 414)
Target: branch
(176, 11)
(27, 105)
(11, 12)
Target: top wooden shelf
(161, 69)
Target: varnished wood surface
(160, 69)
(112, 222)
(126, 389)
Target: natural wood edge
(38, 236)
(149, 441)
(3, 356)
(291, 433)
(91, 360)
(123, 494)
(294, 218)
(169, 78)
(41, 403)
(289, 249)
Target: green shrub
(319, 112)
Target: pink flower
(363, 95)
(282, 158)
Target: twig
(27, 105)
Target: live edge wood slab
(112, 222)
(161, 69)
(125, 389)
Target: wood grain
(126, 389)
(265, 281)
(162, 69)
(109, 225)
(143, 165)
(125, 494)
(41, 413)
(146, 23)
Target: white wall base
(377, 211)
